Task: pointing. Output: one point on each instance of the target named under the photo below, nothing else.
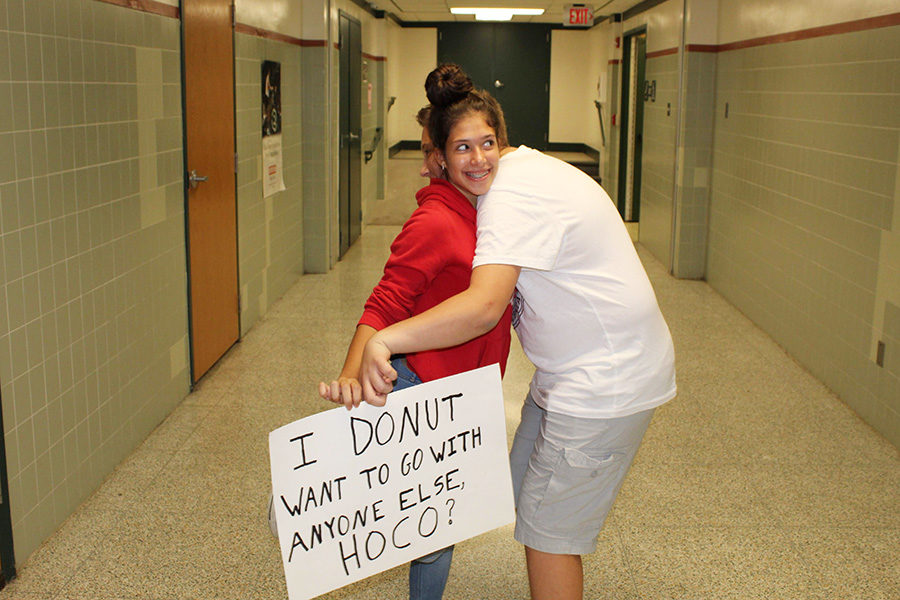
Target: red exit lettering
(579, 16)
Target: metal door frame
(349, 111)
(624, 130)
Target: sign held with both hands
(359, 492)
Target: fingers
(371, 396)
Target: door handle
(352, 136)
(194, 179)
(498, 84)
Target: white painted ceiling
(439, 10)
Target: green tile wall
(611, 174)
(657, 175)
(270, 230)
(316, 120)
(372, 118)
(93, 318)
(695, 173)
(804, 192)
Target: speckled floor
(756, 482)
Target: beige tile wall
(315, 120)
(657, 176)
(372, 118)
(270, 230)
(93, 323)
(804, 196)
(694, 175)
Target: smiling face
(471, 155)
(431, 164)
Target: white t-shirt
(584, 310)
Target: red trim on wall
(792, 36)
(148, 6)
(272, 35)
(373, 57)
(665, 52)
(702, 48)
(615, 61)
(814, 32)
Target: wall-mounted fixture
(375, 141)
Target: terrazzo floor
(755, 482)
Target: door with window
(512, 62)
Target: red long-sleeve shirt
(431, 260)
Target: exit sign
(578, 15)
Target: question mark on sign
(452, 503)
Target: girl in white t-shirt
(550, 239)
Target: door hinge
(235, 162)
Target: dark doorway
(512, 62)
(7, 551)
(631, 142)
(350, 209)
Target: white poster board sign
(273, 179)
(359, 492)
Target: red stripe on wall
(814, 32)
(274, 35)
(373, 57)
(792, 36)
(148, 6)
(665, 52)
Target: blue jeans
(427, 574)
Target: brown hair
(453, 95)
(422, 116)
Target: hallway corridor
(755, 482)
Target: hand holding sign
(360, 492)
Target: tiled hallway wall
(803, 234)
(315, 120)
(658, 174)
(373, 118)
(93, 323)
(270, 244)
(694, 174)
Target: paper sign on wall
(272, 176)
(359, 492)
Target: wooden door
(208, 47)
(512, 62)
(350, 208)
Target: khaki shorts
(566, 474)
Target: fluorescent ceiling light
(496, 14)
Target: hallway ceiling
(439, 10)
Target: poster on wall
(358, 492)
(272, 176)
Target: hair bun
(447, 85)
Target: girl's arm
(458, 319)
(346, 389)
